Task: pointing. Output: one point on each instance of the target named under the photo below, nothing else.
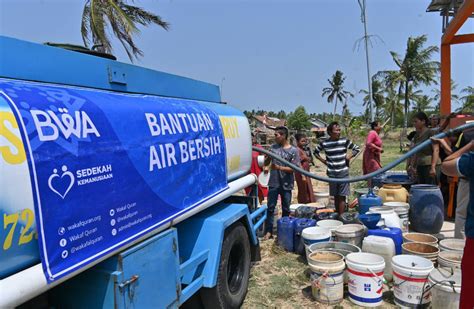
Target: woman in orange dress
(305, 187)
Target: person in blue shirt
(461, 164)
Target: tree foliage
(336, 93)
(100, 16)
(299, 119)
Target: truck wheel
(233, 273)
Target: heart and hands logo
(61, 184)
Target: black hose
(370, 175)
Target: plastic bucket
(450, 259)
(322, 197)
(326, 262)
(351, 234)
(410, 280)
(427, 251)
(327, 289)
(330, 224)
(452, 244)
(420, 237)
(446, 288)
(333, 246)
(315, 234)
(365, 284)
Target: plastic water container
(426, 209)
(393, 193)
(410, 277)
(383, 246)
(365, 284)
(300, 225)
(445, 294)
(402, 210)
(390, 218)
(368, 200)
(315, 234)
(285, 231)
(394, 233)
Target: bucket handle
(383, 281)
(315, 282)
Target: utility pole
(221, 88)
(366, 39)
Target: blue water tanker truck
(120, 186)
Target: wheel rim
(235, 268)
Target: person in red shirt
(373, 149)
(256, 169)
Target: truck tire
(233, 273)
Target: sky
(271, 55)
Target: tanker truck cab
(120, 186)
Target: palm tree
(437, 93)
(423, 103)
(468, 99)
(416, 68)
(377, 96)
(101, 15)
(336, 90)
(392, 106)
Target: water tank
(18, 235)
(426, 209)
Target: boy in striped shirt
(337, 161)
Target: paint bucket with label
(410, 280)
(365, 278)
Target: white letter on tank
(154, 159)
(152, 124)
(88, 126)
(183, 148)
(45, 123)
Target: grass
(282, 279)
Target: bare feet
(267, 236)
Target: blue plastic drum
(426, 209)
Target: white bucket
(445, 295)
(315, 234)
(410, 280)
(383, 246)
(452, 244)
(293, 208)
(365, 278)
(327, 289)
(330, 224)
(326, 262)
(322, 197)
(450, 259)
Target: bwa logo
(61, 184)
(49, 125)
